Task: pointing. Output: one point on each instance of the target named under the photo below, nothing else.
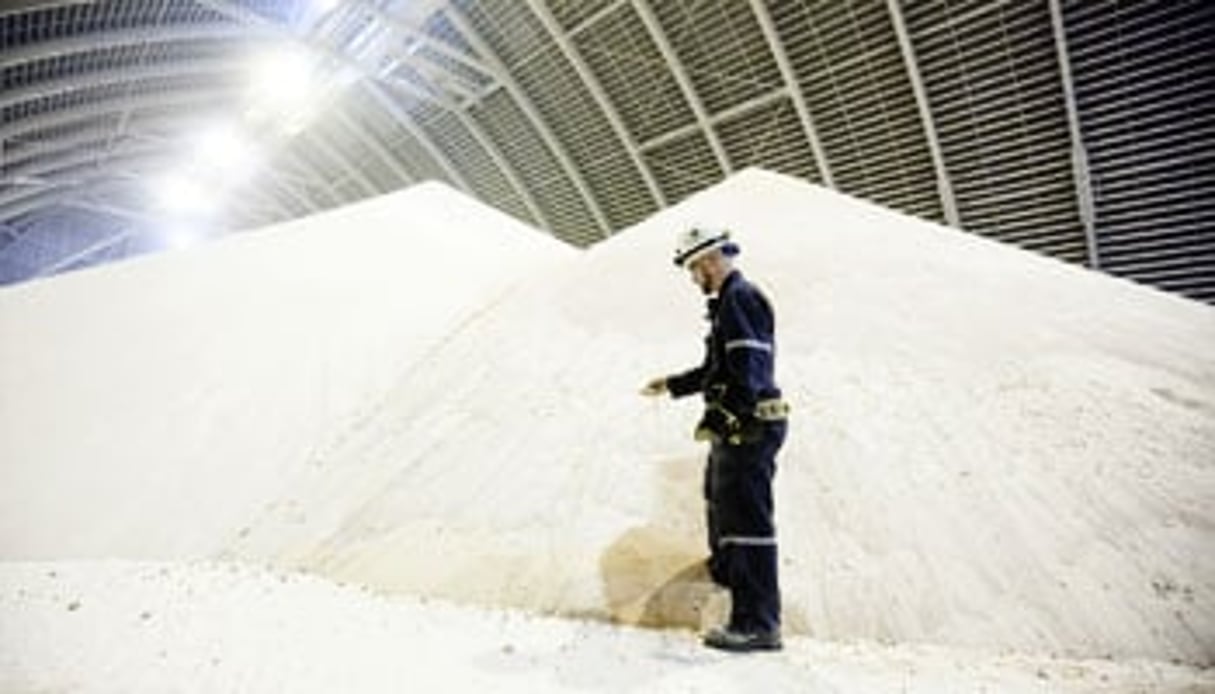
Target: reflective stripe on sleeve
(744, 540)
(748, 344)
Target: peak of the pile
(855, 250)
(426, 224)
(429, 207)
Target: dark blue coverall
(737, 373)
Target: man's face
(701, 273)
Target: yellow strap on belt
(773, 410)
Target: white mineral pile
(988, 449)
(148, 408)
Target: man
(744, 421)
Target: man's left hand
(654, 388)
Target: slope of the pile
(988, 447)
(147, 406)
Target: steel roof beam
(1080, 168)
(150, 129)
(35, 161)
(595, 18)
(29, 158)
(676, 68)
(533, 115)
(25, 6)
(944, 188)
(184, 97)
(67, 183)
(69, 195)
(177, 68)
(570, 51)
(185, 68)
(735, 111)
(171, 33)
(399, 26)
(69, 158)
(72, 173)
(777, 47)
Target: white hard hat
(697, 241)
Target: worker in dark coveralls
(744, 421)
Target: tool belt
(720, 424)
(772, 410)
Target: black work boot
(730, 639)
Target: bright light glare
(223, 152)
(177, 194)
(324, 6)
(178, 237)
(286, 89)
(283, 79)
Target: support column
(795, 90)
(1080, 169)
(948, 204)
(675, 65)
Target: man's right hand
(656, 387)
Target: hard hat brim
(695, 252)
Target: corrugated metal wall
(1145, 82)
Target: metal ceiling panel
(633, 74)
(684, 166)
(576, 119)
(573, 13)
(461, 146)
(505, 122)
(770, 137)
(1146, 96)
(993, 82)
(850, 70)
(722, 49)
